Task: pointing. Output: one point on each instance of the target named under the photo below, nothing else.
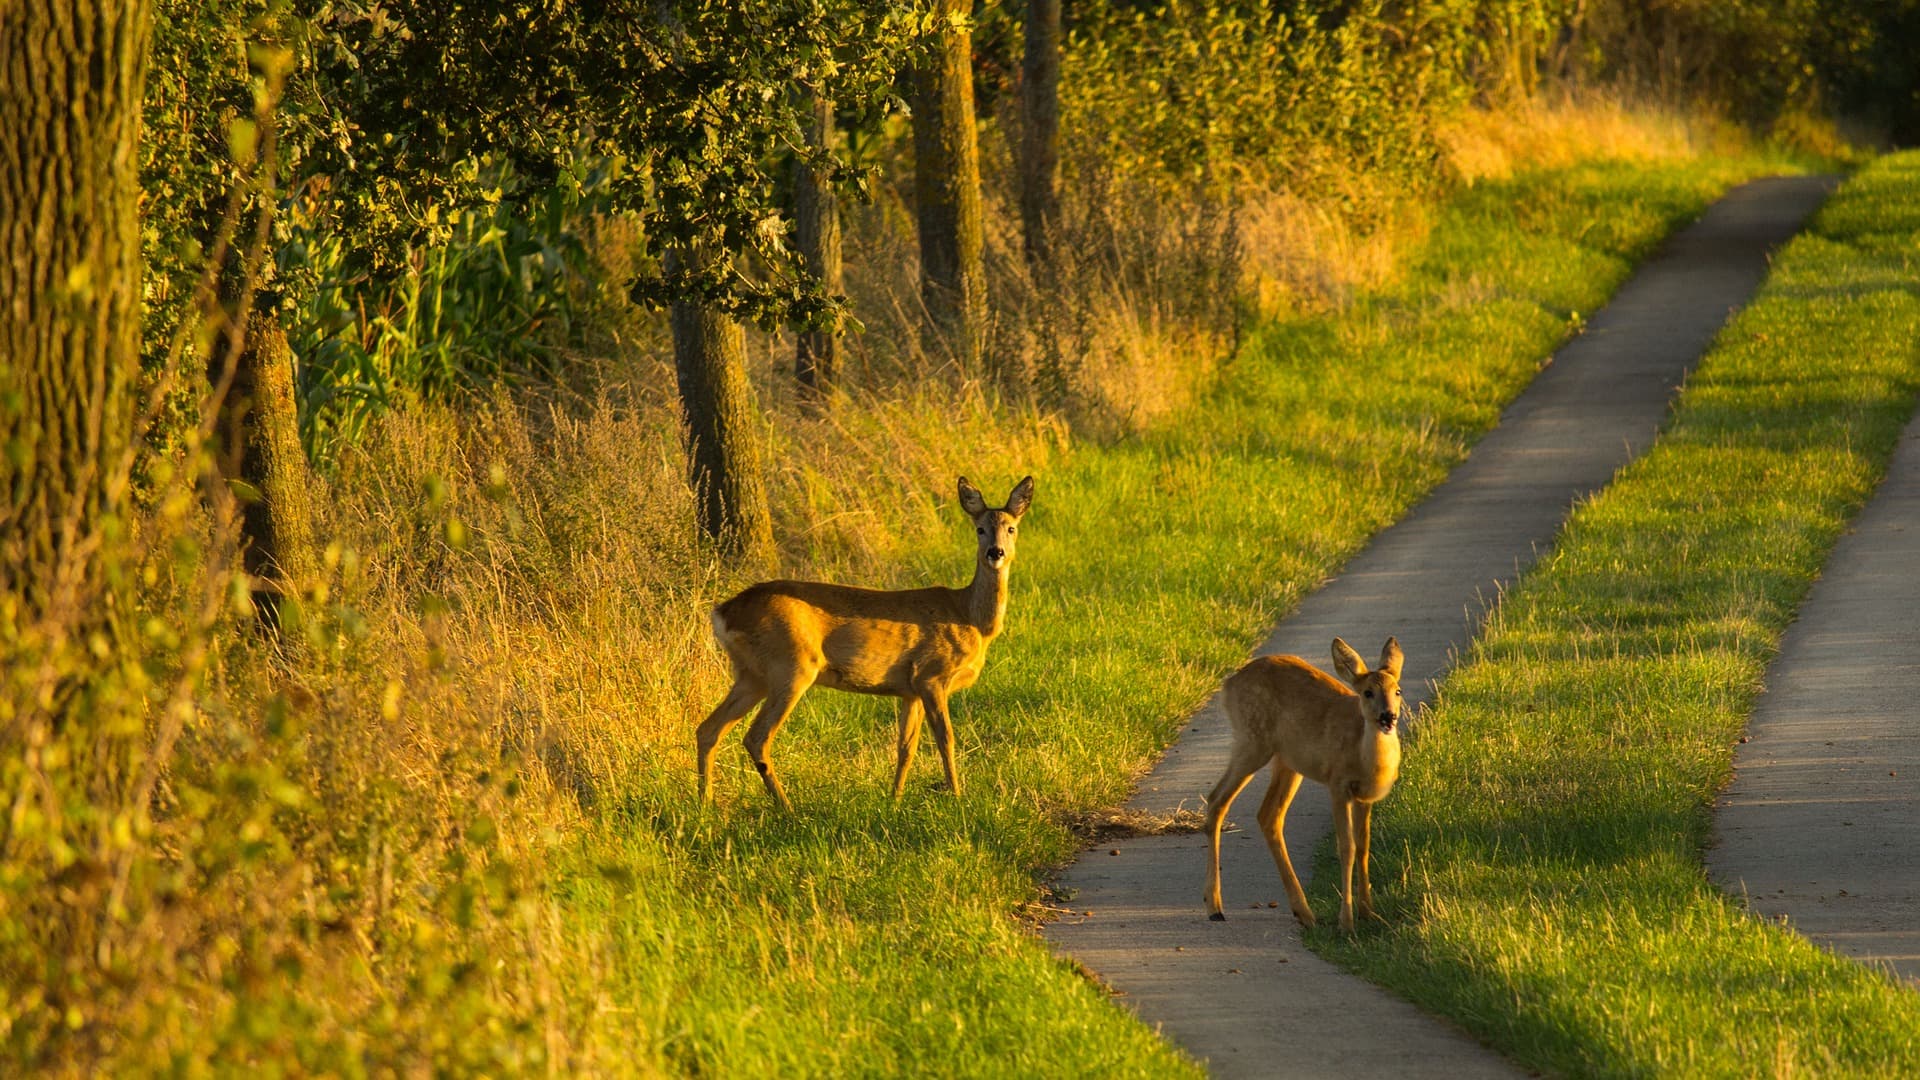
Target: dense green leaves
(687, 107)
(409, 130)
(1213, 91)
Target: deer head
(1378, 689)
(994, 528)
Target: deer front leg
(739, 700)
(1343, 841)
(1362, 845)
(934, 700)
(1240, 769)
(1273, 822)
(910, 714)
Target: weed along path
(1245, 995)
(1822, 821)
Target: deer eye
(1369, 695)
(1011, 529)
(980, 531)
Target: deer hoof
(1218, 916)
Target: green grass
(1542, 852)
(863, 936)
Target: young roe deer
(1286, 711)
(919, 645)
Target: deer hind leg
(746, 693)
(910, 715)
(778, 706)
(1343, 841)
(1273, 821)
(935, 703)
(1362, 844)
(1240, 768)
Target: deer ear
(970, 499)
(1021, 498)
(1347, 662)
(1391, 658)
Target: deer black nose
(996, 554)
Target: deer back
(1310, 721)
(864, 640)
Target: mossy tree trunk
(953, 280)
(816, 214)
(1040, 129)
(72, 73)
(725, 463)
(259, 438)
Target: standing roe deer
(918, 645)
(1286, 711)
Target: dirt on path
(1246, 996)
(1822, 821)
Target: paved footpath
(1245, 995)
(1822, 822)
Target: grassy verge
(863, 936)
(1545, 842)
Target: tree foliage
(689, 107)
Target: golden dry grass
(1553, 131)
(1309, 250)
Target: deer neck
(1379, 752)
(986, 599)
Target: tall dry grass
(1305, 248)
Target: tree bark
(724, 459)
(953, 280)
(816, 214)
(1040, 130)
(258, 429)
(72, 73)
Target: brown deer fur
(919, 645)
(1286, 711)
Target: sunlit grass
(1544, 846)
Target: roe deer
(918, 645)
(1286, 711)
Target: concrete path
(1245, 995)
(1822, 822)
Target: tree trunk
(258, 429)
(953, 280)
(1040, 129)
(724, 461)
(72, 73)
(71, 77)
(817, 227)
